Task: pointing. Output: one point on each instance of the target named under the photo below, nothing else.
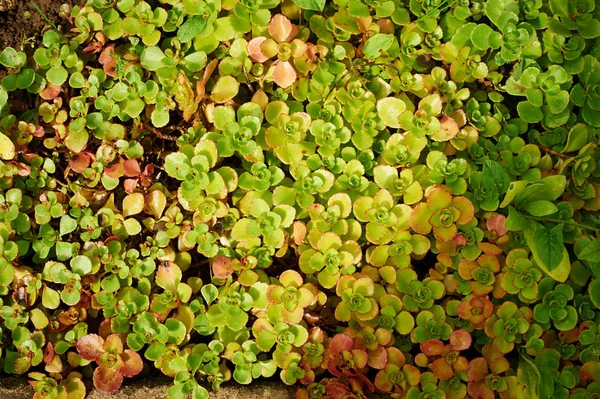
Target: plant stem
(159, 133)
(552, 152)
(39, 11)
(567, 222)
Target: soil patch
(18, 32)
(156, 388)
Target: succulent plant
(114, 362)
(359, 196)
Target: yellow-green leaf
(528, 378)
(7, 147)
(133, 204)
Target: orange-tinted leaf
(478, 369)
(412, 374)
(382, 381)
(115, 170)
(50, 92)
(432, 347)
(107, 380)
(496, 223)
(284, 74)
(460, 340)
(449, 129)
(377, 359)
(280, 28)
(299, 232)
(360, 358)
(131, 168)
(80, 162)
(129, 185)
(113, 344)
(90, 346)
(254, 50)
(396, 356)
(467, 210)
(132, 363)
(221, 267)
(109, 64)
(590, 371)
(441, 369)
(419, 219)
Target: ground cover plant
(358, 196)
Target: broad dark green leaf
(495, 176)
(591, 252)
(529, 112)
(313, 5)
(595, 268)
(548, 250)
(377, 44)
(578, 137)
(548, 244)
(515, 220)
(549, 189)
(540, 208)
(191, 28)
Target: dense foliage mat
(360, 196)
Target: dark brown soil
(24, 34)
(18, 32)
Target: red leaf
(39, 132)
(478, 390)
(96, 45)
(48, 352)
(339, 343)
(131, 168)
(148, 170)
(336, 390)
(459, 240)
